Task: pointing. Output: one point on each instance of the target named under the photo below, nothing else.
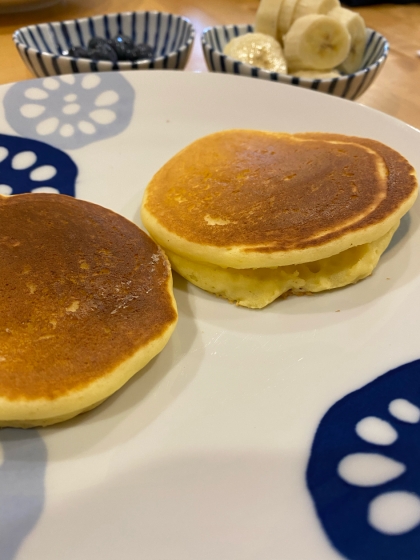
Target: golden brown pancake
(251, 199)
(85, 302)
(243, 213)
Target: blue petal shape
(70, 105)
(19, 180)
(342, 508)
(22, 491)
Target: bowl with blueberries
(122, 41)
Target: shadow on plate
(22, 488)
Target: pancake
(257, 287)
(251, 199)
(85, 302)
(243, 200)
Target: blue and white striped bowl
(41, 46)
(349, 86)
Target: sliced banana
(306, 7)
(257, 49)
(316, 42)
(266, 17)
(285, 17)
(355, 25)
(316, 74)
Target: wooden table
(396, 90)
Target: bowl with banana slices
(315, 44)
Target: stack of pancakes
(251, 215)
(85, 302)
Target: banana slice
(316, 74)
(285, 17)
(257, 49)
(266, 17)
(306, 7)
(355, 25)
(316, 42)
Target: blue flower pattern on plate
(22, 492)
(363, 471)
(31, 166)
(70, 111)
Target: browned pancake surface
(275, 192)
(81, 289)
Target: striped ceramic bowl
(349, 86)
(42, 46)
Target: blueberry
(141, 52)
(96, 42)
(122, 46)
(103, 52)
(122, 40)
(78, 52)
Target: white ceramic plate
(204, 455)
